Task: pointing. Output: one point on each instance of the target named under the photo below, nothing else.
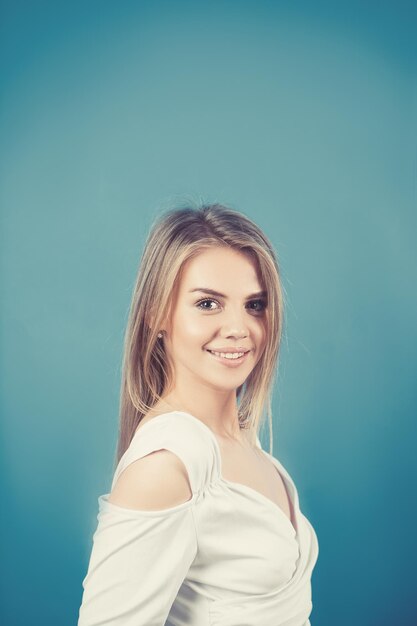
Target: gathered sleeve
(140, 558)
(138, 562)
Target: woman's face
(233, 318)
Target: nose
(235, 326)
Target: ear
(150, 323)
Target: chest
(252, 468)
(242, 539)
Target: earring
(160, 334)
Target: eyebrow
(258, 294)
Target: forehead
(221, 268)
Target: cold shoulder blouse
(229, 556)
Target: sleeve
(139, 559)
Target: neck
(224, 424)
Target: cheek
(261, 334)
(192, 330)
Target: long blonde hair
(175, 237)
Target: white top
(229, 556)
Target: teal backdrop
(301, 115)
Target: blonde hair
(175, 237)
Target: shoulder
(173, 454)
(158, 480)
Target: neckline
(236, 485)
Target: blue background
(303, 116)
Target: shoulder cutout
(156, 481)
(193, 459)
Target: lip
(230, 362)
(229, 349)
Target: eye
(200, 302)
(258, 303)
(262, 304)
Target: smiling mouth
(229, 356)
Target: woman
(202, 526)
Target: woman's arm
(143, 547)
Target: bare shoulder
(156, 481)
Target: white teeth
(228, 355)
